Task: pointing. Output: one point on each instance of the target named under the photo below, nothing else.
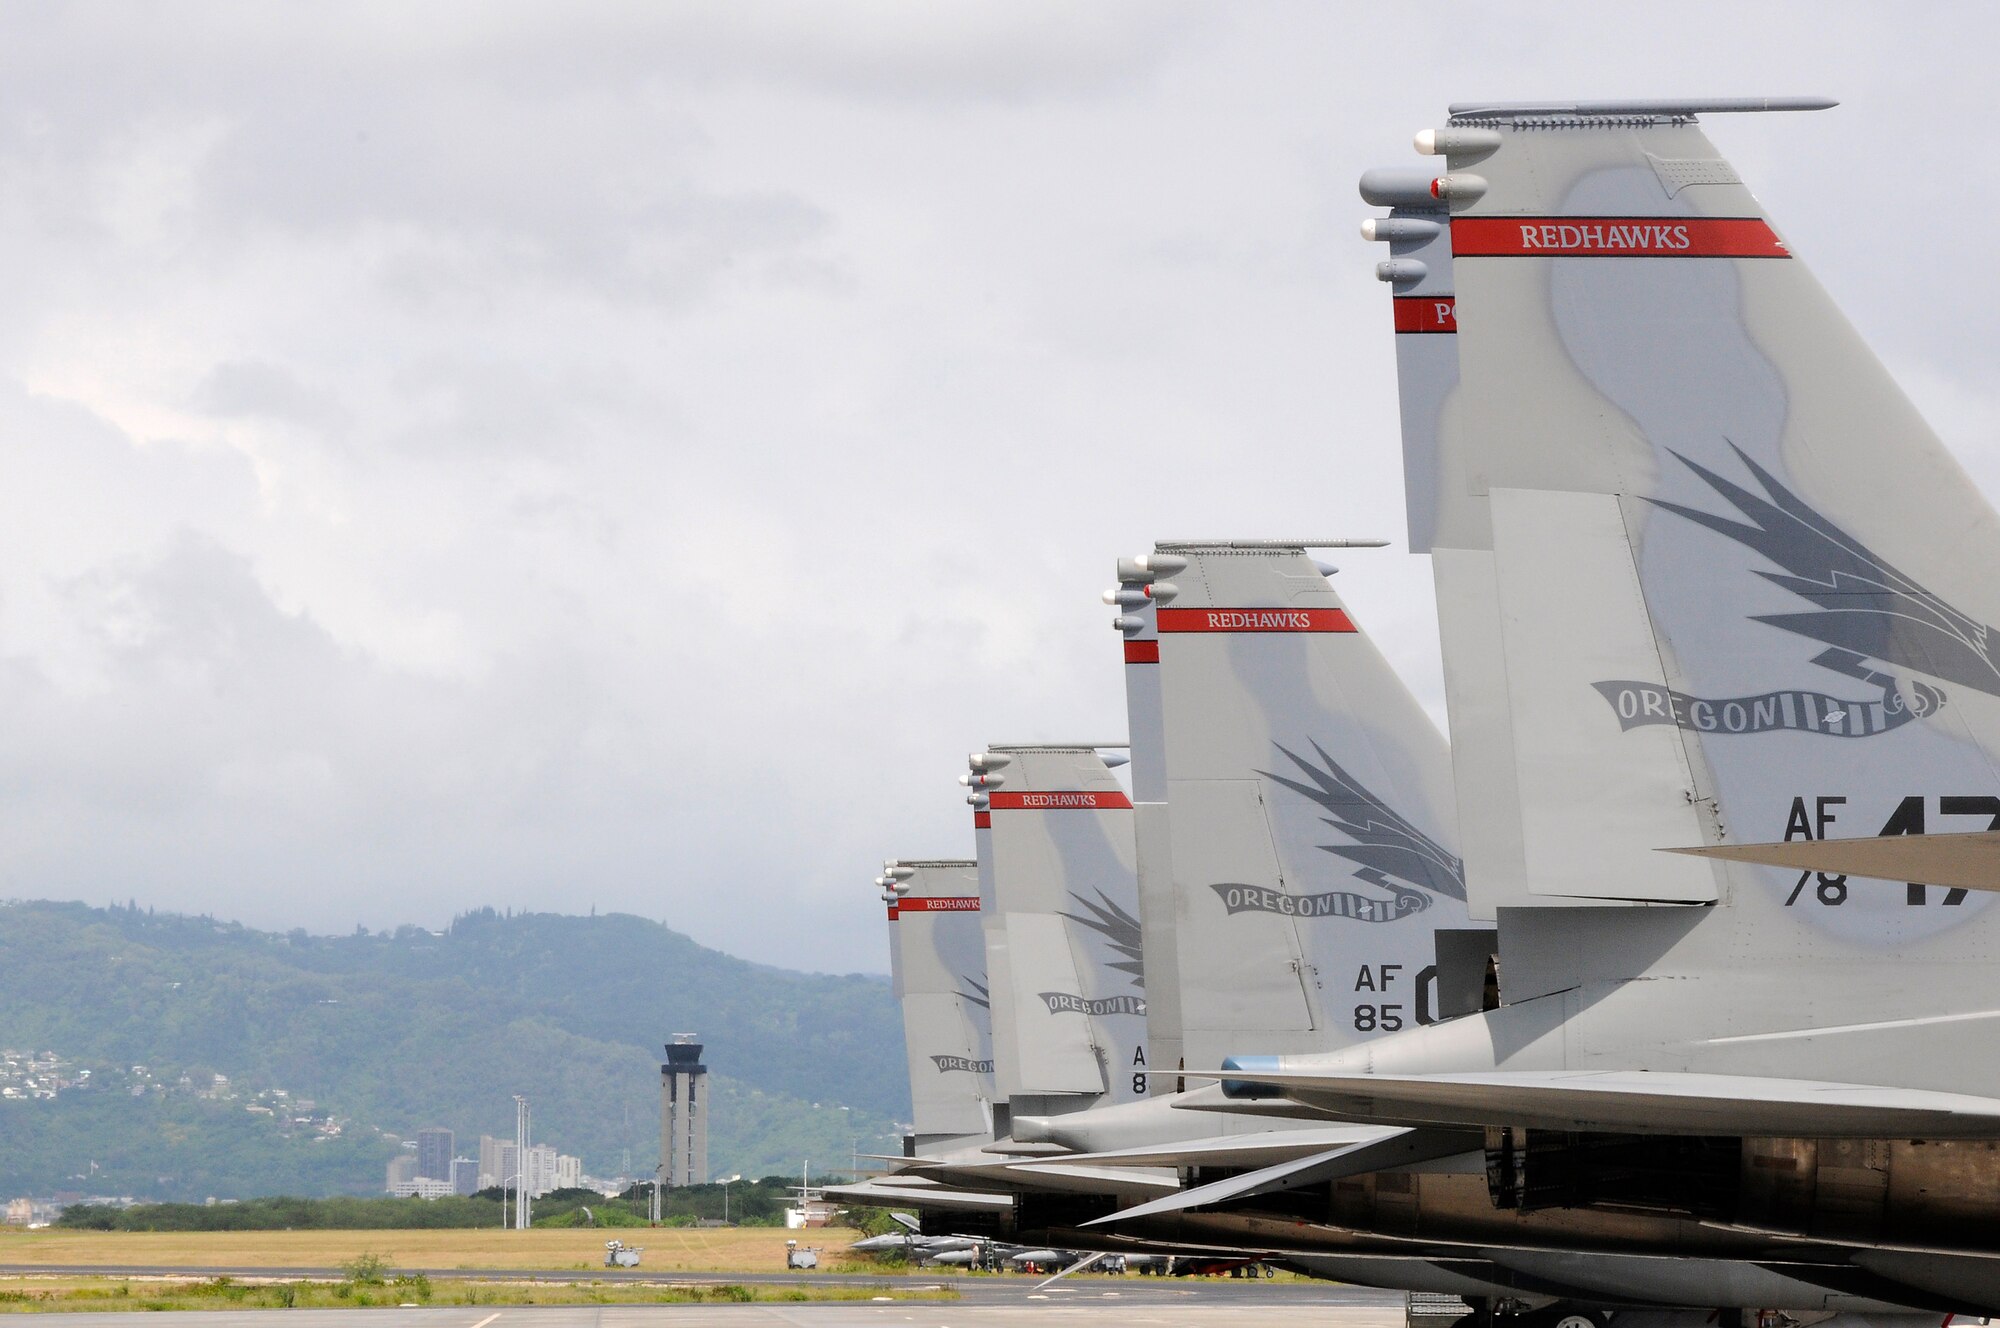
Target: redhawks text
(1600, 235)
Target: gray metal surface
(1615, 108)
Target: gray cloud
(626, 454)
(253, 389)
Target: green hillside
(398, 1031)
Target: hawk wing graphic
(976, 993)
(1385, 843)
(1865, 605)
(1117, 926)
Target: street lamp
(520, 1161)
(516, 1179)
(727, 1181)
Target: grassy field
(667, 1249)
(57, 1295)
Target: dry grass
(668, 1249)
(61, 1294)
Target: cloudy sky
(624, 455)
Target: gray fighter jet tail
(1705, 578)
(937, 954)
(1310, 857)
(1705, 574)
(1059, 896)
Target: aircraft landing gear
(1559, 1315)
(1555, 1316)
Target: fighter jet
(1705, 579)
(910, 1241)
(957, 1251)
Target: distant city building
(541, 1170)
(402, 1171)
(464, 1175)
(434, 1153)
(548, 1170)
(26, 1212)
(683, 1114)
(497, 1163)
(421, 1187)
(538, 1171)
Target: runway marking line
(488, 1319)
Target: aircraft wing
(1642, 1102)
(1968, 861)
(1390, 1148)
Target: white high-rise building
(497, 1162)
(541, 1168)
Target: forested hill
(392, 1032)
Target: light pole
(656, 1193)
(516, 1178)
(727, 1181)
(520, 1163)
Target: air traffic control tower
(683, 1114)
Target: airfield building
(683, 1114)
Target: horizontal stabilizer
(1277, 1108)
(1059, 1177)
(1642, 1102)
(921, 1196)
(1392, 1148)
(1265, 1148)
(1968, 861)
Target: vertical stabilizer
(1059, 894)
(1417, 234)
(1133, 598)
(938, 958)
(1738, 589)
(1311, 826)
(1418, 271)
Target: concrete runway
(984, 1303)
(972, 1290)
(1090, 1309)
